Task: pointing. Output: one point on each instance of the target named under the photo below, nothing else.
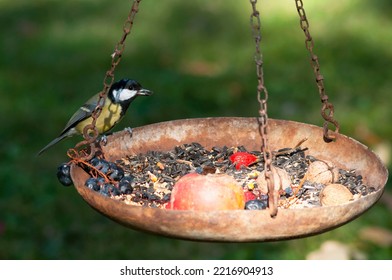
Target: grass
(197, 56)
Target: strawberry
(249, 196)
(242, 159)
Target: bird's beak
(145, 92)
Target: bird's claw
(129, 130)
(103, 140)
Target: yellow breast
(109, 117)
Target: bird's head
(126, 90)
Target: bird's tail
(53, 142)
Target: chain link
(327, 109)
(262, 98)
(90, 131)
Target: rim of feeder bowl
(237, 225)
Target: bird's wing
(83, 113)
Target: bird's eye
(133, 85)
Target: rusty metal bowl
(237, 225)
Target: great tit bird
(119, 97)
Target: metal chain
(262, 97)
(327, 109)
(90, 131)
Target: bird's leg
(129, 130)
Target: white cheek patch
(125, 94)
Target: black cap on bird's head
(125, 90)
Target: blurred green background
(197, 56)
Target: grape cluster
(64, 174)
(110, 179)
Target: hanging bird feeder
(276, 152)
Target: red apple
(209, 192)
